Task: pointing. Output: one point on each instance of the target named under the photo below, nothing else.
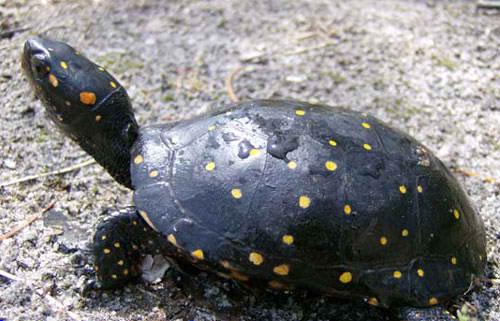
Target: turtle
(275, 194)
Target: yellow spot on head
(373, 301)
(420, 273)
(300, 112)
(433, 301)
(282, 269)
(64, 65)
(367, 146)
(397, 274)
(292, 164)
(106, 251)
(112, 84)
(125, 272)
(456, 214)
(332, 142)
(236, 192)
(420, 189)
(345, 277)
(287, 239)
(117, 244)
(254, 152)
(453, 260)
(138, 159)
(120, 263)
(53, 80)
(402, 189)
(405, 232)
(383, 241)
(198, 254)
(171, 238)
(98, 118)
(347, 209)
(365, 125)
(256, 258)
(210, 166)
(153, 173)
(331, 166)
(304, 201)
(211, 127)
(87, 97)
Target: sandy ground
(430, 68)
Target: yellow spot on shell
(331, 166)
(226, 264)
(98, 118)
(367, 146)
(112, 84)
(345, 277)
(53, 80)
(405, 233)
(117, 245)
(453, 260)
(292, 164)
(420, 189)
(433, 301)
(366, 125)
(300, 112)
(402, 189)
(134, 222)
(347, 209)
(101, 69)
(397, 274)
(254, 152)
(211, 127)
(373, 301)
(103, 237)
(145, 217)
(282, 269)
(198, 254)
(68, 103)
(456, 214)
(113, 276)
(153, 173)
(120, 263)
(47, 68)
(276, 285)
(236, 192)
(238, 276)
(96, 268)
(106, 251)
(87, 97)
(383, 241)
(210, 166)
(332, 142)
(171, 238)
(287, 239)
(304, 201)
(138, 159)
(420, 273)
(64, 65)
(125, 272)
(256, 258)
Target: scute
(350, 210)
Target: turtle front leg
(120, 244)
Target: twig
(469, 173)
(12, 32)
(57, 172)
(307, 49)
(13, 231)
(229, 84)
(51, 300)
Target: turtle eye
(40, 65)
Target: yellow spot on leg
(345, 277)
(106, 251)
(53, 80)
(300, 112)
(304, 201)
(236, 192)
(254, 152)
(331, 166)
(282, 269)
(87, 97)
(211, 127)
(145, 217)
(420, 273)
(367, 146)
(138, 159)
(292, 165)
(366, 125)
(256, 258)
(198, 254)
(210, 166)
(402, 189)
(347, 209)
(456, 214)
(433, 301)
(397, 274)
(383, 241)
(64, 65)
(332, 142)
(287, 239)
(171, 238)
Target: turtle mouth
(35, 59)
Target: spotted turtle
(276, 194)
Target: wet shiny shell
(287, 194)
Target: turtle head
(85, 101)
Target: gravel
(430, 68)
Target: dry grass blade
(13, 231)
(469, 173)
(56, 172)
(229, 84)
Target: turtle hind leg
(120, 244)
